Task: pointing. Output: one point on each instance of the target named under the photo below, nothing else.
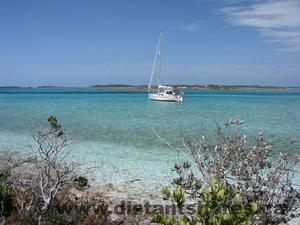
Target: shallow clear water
(116, 127)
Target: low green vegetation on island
(177, 86)
(9, 87)
(193, 87)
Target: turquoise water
(116, 127)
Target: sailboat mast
(157, 54)
(159, 70)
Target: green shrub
(219, 204)
(249, 166)
(177, 196)
(81, 182)
(163, 219)
(6, 194)
(4, 174)
(6, 199)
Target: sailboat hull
(165, 97)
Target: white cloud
(278, 21)
(192, 27)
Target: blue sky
(80, 43)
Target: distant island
(178, 86)
(193, 87)
(8, 87)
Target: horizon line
(145, 85)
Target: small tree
(55, 171)
(36, 190)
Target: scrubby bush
(221, 204)
(6, 193)
(218, 204)
(249, 169)
(48, 195)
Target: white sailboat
(162, 93)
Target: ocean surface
(116, 127)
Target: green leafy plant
(221, 204)
(55, 126)
(177, 196)
(164, 219)
(166, 193)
